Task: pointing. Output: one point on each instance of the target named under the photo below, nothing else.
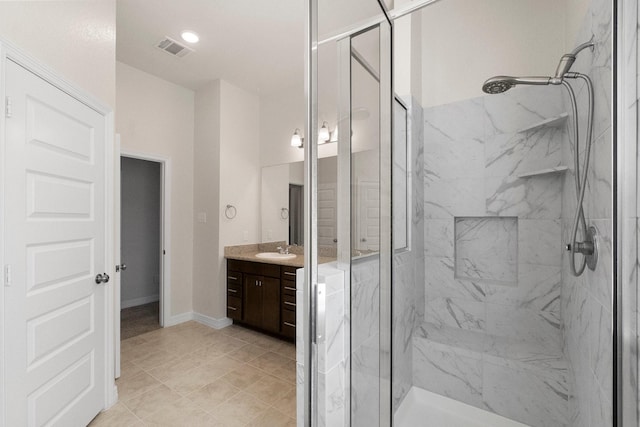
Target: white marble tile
(599, 281)
(536, 197)
(601, 355)
(486, 249)
(538, 289)
(598, 197)
(440, 281)
(516, 153)
(365, 300)
(540, 327)
(442, 158)
(463, 314)
(540, 242)
(525, 396)
(445, 198)
(438, 237)
(456, 121)
(451, 372)
(521, 107)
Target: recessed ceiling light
(190, 37)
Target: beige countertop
(248, 253)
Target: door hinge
(8, 107)
(7, 275)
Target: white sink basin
(275, 255)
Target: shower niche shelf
(556, 121)
(556, 169)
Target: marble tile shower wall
(408, 269)
(587, 300)
(483, 339)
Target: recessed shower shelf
(549, 123)
(557, 169)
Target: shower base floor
(426, 409)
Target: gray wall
(140, 227)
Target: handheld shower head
(499, 84)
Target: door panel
(55, 245)
(253, 300)
(271, 304)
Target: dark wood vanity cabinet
(262, 295)
(262, 302)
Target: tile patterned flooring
(193, 375)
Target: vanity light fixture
(190, 36)
(334, 135)
(296, 139)
(323, 133)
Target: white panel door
(327, 215)
(55, 246)
(368, 219)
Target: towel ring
(230, 212)
(284, 213)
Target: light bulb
(296, 139)
(323, 133)
(190, 37)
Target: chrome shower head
(499, 84)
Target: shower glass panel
(496, 326)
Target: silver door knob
(102, 278)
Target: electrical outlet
(202, 217)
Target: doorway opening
(141, 246)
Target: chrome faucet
(283, 251)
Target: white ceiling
(254, 44)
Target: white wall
(157, 117)
(467, 41)
(140, 225)
(206, 249)
(575, 18)
(228, 158)
(275, 196)
(76, 38)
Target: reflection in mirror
(400, 177)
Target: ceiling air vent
(173, 48)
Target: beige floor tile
(286, 349)
(267, 342)
(268, 389)
(152, 401)
(117, 416)
(240, 409)
(196, 378)
(129, 369)
(154, 359)
(136, 385)
(180, 413)
(287, 403)
(174, 370)
(213, 394)
(272, 418)
(247, 353)
(244, 376)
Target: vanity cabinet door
(271, 304)
(252, 300)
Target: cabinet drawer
(288, 287)
(289, 302)
(289, 316)
(234, 307)
(288, 273)
(257, 268)
(234, 277)
(234, 289)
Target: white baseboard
(139, 301)
(178, 318)
(212, 322)
(200, 318)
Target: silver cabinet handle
(232, 290)
(290, 303)
(232, 278)
(232, 308)
(288, 273)
(289, 288)
(289, 324)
